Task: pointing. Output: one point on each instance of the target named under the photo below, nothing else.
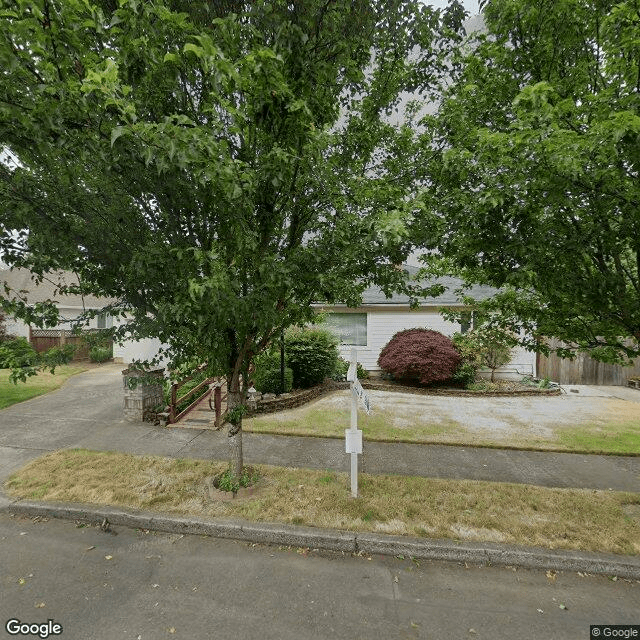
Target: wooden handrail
(174, 416)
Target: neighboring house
(370, 327)
(70, 307)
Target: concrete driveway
(86, 403)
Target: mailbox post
(353, 436)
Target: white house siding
(523, 363)
(19, 328)
(383, 323)
(16, 327)
(129, 350)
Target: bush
(267, 380)
(17, 353)
(466, 373)
(312, 355)
(58, 355)
(420, 355)
(486, 347)
(100, 354)
(342, 367)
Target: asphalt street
(141, 585)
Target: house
(70, 307)
(369, 327)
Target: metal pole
(282, 361)
(354, 428)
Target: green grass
(35, 386)
(622, 438)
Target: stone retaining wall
(297, 398)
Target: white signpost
(353, 437)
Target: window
(104, 321)
(350, 328)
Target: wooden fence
(43, 339)
(583, 370)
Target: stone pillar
(143, 391)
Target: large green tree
(215, 167)
(536, 184)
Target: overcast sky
(470, 5)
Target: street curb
(336, 540)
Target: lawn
(588, 520)
(558, 423)
(36, 385)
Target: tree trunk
(234, 398)
(235, 453)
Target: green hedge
(312, 355)
(100, 354)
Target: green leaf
(116, 132)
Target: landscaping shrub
(485, 347)
(342, 367)
(100, 354)
(312, 355)
(17, 353)
(267, 380)
(340, 372)
(421, 355)
(465, 374)
(59, 355)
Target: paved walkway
(87, 412)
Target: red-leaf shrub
(420, 354)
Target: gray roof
(20, 280)
(374, 295)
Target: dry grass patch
(381, 425)
(551, 424)
(462, 510)
(36, 385)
